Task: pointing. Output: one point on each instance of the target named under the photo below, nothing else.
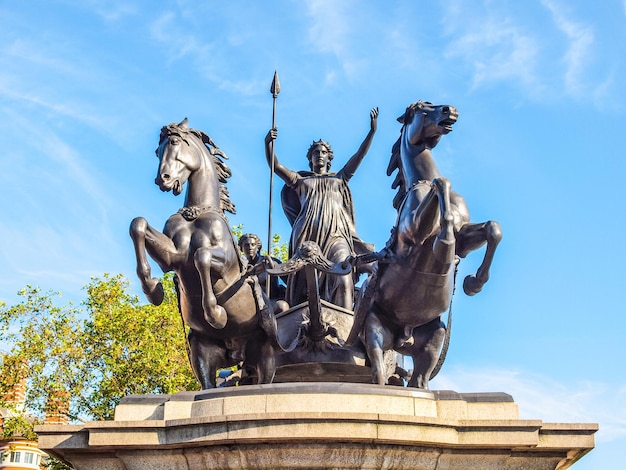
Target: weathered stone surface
(319, 426)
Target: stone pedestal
(319, 426)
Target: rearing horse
(228, 315)
(402, 301)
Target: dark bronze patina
(317, 328)
(229, 316)
(222, 297)
(250, 245)
(412, 285)
(318, 204)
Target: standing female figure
(319, 207)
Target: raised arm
(353, 163)
(283, 172)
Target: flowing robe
(320, 209)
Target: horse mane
(395, 163)
(218, 156)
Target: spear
(274, 90)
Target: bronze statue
(401, 302)
(319, 207)
(221, 297)
(229, 316)
(250, 245)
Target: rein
(433, 279)
(231, 290)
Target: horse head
(425, 123)
(183, 152)
(176, 160)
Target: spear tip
(275, 88)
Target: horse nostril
(446, 109)
(165, 176)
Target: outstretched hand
(374, 118)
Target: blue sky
(86, 86)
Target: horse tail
(360, 313)
(270, 327)
(182, 320)
(446, 339)
(268, 319)
(444, 348)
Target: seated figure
(250, 245)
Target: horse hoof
(218, 319)
(154, 291)
(471, 285)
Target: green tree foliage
(19, 424)
(44, 345)
(54, 464)
(96, 353)
(110, 347)
(237, 231)
(279, 250)
(135, 349)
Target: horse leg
(471, 237)
(444, 246)
(214, 314)
(261, 355)
(375, 338)
(425, 351)
(161, 249)
(428, 212)
(206, 357)
(415, 221)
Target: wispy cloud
(65, 170)
(181, 44)
(206, 54)
(73, 168)
(26, 52)
(35, 75)
(113, 10)
(602, 93)
(329, 26)
(60, 199)
(580, 40)
(57, 257)
(540, 397)
(58, 108)
(496, 49)
(333, 30)
(109, 10)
